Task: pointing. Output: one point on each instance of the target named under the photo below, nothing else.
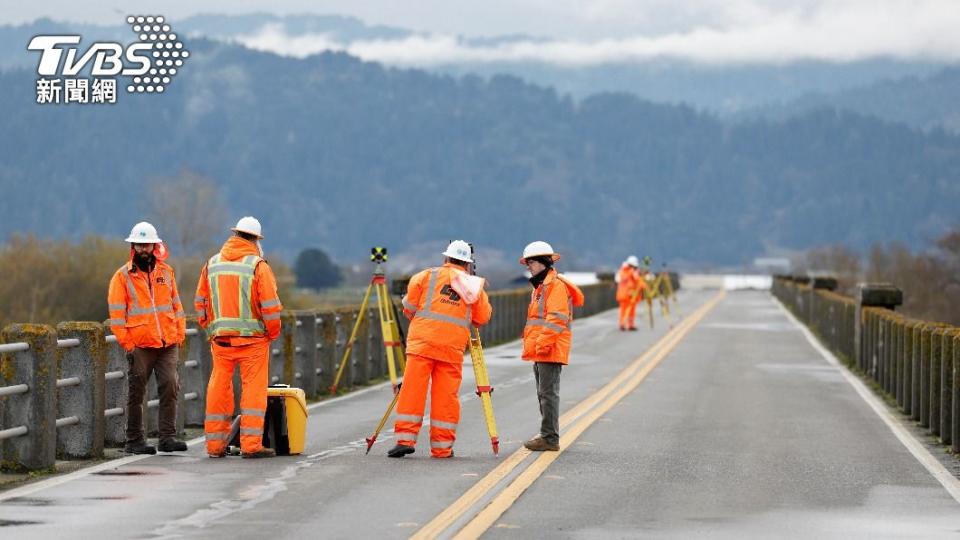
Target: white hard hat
(249, 225)
(536, 249)
(143, 233)
(459, 250)
(633, 261)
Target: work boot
(539, 444)
(400, 450)
(261, 453)
(139, 447)
(172, 445)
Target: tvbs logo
(151, 63)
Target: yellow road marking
(503, 501)
(452, 513)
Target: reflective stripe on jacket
(546, 336)
(145, 308)
(441, 319)
(236, 295)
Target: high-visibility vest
(231, 287)
(145, 309)
(441, 319)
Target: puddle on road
(28, 501)
(108, 498)
(117, 472)
(17, 523)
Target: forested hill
(334, 152)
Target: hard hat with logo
(459, 250)
(249, 225)
(537, 249)
(143, 233)
(633, 261)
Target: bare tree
(189, 212)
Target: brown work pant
(162, 362)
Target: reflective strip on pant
(441, 444)
(218, 418)
(251, 431)
(412, 418)
(217, 436)
(406, 438)
(443, 425)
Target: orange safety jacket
(145, 308)
(236, 299)
(546, 336)
(630, 284)
(440, 318)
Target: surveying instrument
(484, 390)
(660, 287)
(392, 337)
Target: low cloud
(840, 32)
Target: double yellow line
(582, 416)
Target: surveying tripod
(392, 338)
(484, 390)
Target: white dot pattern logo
(168, 51)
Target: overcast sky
(587, 31)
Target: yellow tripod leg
(392, 342)
(373, 438)
(483, 388)
(353, 337)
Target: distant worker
(630, 289)
(547, 337)
(442, 310)
(147, 318)
(238, 306)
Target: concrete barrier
(80, 390)
(28, 438)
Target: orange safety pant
(628, 314)
(444, 379)
(254, 362)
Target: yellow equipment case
(285, 425)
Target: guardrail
(63, 391)
(913, 363)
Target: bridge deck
(730, 427)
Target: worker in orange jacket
(547, 337)
(238, 306)
(147, 318)
(630, 289)
(441, 320)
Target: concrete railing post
(946, 386)
(923, 388)
(871, 295)
(116, 390)
(361, 351)
(193, 380)
(378, 362)
(955, 395)
(306, 353)
(343, 320)
(282, 351)
(326, 350)
(81, 369)
(933, 415)
(36, 409)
